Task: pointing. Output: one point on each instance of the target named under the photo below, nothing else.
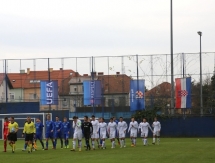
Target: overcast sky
(55, 28)
(71, 28)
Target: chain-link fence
(20, 80)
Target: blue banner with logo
(137, 93)
(92, 92)
(49, 92)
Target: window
(110, 102)
(32, 96)
(75, 89)
(12, 96)
(34, 81)
(122, 101)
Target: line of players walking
(96, 130)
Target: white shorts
(144, 134)
(103, 136)
(112, 135)
(95, 136)
(156, 133)
(77, 135)
(133, 134)
(121, 134)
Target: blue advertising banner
(137, 92)
(92, 92)
(48, 92)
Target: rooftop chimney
(100, 73)
(50, 69)
(118, 73)
(61, 69)
(28, 71)
(22, 71)
(85, 74)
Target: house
(27, 84)
(115, 91)
(159, 96)
(5, 89)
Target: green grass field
(170, 150)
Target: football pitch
(170, 150)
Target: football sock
(67, 141)
(42, 143)
(61, 142)
(134, 141)
(5, 145)
(29, 147)
(80, 144)
(93, 143)
(143, 141)
(14, 147)
(113, 144)
(74, 144)
(25, 145)
(47, 144)
(153, 140)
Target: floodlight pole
(171, 55)
(200, 59)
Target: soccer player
(66, 130)
(133, 127)
(87, 129)
(156, 133)
(117, 136)
(13, 127)
(112, 127)
(39, 131)
(29, 131)
(77, 133)
(102, 130)
(5, 131)
(144, 128)
(121, 128)
(95, 135)
(58, 132)
(49, 131)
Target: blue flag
(137, 92)
(48, 92)
(92, 92)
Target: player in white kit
(95, 135)
(133, 128)
(144, 128)
(156, 133)
(112, 127)
(77, 133)
(121, 129)
(102, 130)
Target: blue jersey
(66, 127)
(49, 126)
(39, 128)
(116, 122)
(58, 126)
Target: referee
(29, 131)
(87, 129)
(13, 127)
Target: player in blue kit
(39, 131)
(49, 131)
(58, 132)
(66, 130)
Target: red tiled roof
(22, 80)
(163, 89)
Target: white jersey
(112, 126)
(77, 126)
(102, 127)
(144, 127)
(122, 126)
(95, 126)
(133, 127)
(157, 126)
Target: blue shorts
(58, 135)
(49, 135)
(38, 136)
(66, 136)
